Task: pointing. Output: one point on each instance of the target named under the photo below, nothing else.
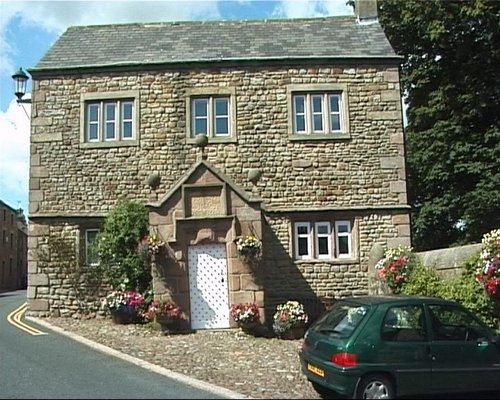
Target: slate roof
(215, 41)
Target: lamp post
(20, 80)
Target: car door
(405, 347)
(463, 355)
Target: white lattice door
(208, 289)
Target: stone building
(13, 248)
(289, 130)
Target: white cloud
(57, 15)
(312, 8)
(14, 154)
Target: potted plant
(246, 315)
(249, 249)
(290, 319)
(165, 313)
(396, 267)
(125, 306)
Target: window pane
(91, 251)
(127, 130)
(110, 118)
(341, 320)
(200, 126)
(303, 246)
(325, 229)
(299, 104)
(343, 243)
(200, 116)
(300, 123)
(323, 245)
(93, 132)
(302, 230)
(318, 123)
(127, 108)
(334, 122)
(110, 130)
(93, 122)
(342, 228)
(317, 113)
(110, 112)
(317, 102)
(299, 113)
(221, 126)
(335, 103)
(93, 111)
(453, 323)
(221, 107)
(127, 111)
(404, 324)
(200, 108)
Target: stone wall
(448, 262)
(362, 177)
(59, 283)
(365, 170)
(308, 280)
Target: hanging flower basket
(488, 271)
(249, 249)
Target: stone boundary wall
(448, 262)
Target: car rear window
(341, 320)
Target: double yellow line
(15, 319)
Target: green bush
(467, 291)
(424, 281)
(117, 246)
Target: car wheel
(324, 392)
(375, 387)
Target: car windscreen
(341, 320)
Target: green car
(383, 347)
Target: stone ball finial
(154, 180)
(254, 175)
(201, 140)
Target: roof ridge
(214, 21)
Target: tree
(118, 246)
(451, 80)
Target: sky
(29, 28)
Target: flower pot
(249, 327)
(168, 324)
(293, 333)
(122, 317)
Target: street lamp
(20, 80)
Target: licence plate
(316, 370)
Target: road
(39, 363)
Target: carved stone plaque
(205, 201)
(206, 206)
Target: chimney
(366, 11)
